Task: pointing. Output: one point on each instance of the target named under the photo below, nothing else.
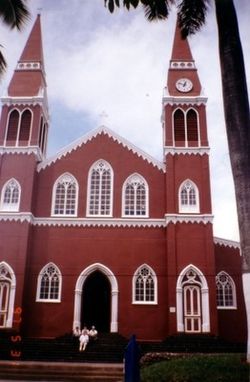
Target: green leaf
(14, 13)
(192, 15)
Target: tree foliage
(14, 14)
(191, 13)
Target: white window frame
(135, 277)
(95, 166)
(10, 207)
(7, 274)
(232, 284)
(189, 208)
(67, 178)
(39, 281)
(133, 180)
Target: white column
(77, 309)
(205, 311)
(246, 291)
(114, 312)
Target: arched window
(49, 284)
(10, 196)
(188, 197)
(135, 196)
(42, 135)
(192, 128)
(179, 128)
(144, 286)
(7, 295)
(186, 128)
(12, 128)
(192, 301)
(24, 133)
(65, 196)
(225, 291)
(100, 189)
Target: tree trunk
(236, 109)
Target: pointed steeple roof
(182, 66)
(29, 76)
(33, 50)
(181, 49)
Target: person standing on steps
(84, 339)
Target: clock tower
(23, 142)
(188, 215)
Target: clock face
(184, 85)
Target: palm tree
(14, 13)
(191, 16)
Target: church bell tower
(23, 141)
(188, 199)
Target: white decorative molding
(16, 217)
(35, 65)
(181, 64)
(93, 134)
(188, 218)
(168, 99)
(34, 100)
(22, 150)
(99, 222)
(186, 150)
(226, 243)
(106, 222)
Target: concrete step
(60, 371)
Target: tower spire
(181, 49)
(182, 74)
(29, 76)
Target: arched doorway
(79, 290)
(96, 299)
(192, 301)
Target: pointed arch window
(179, 128)
(186, 128)
(192, 128)
(188, 197)
(10, 196)
(100, 189)
(12, 128)
(144, 286)
(7, 295)
(225, 291)
(65, 196)
(135, 196)
(24, 133)
(49, 284)
(19, 127)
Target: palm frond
(156, 9)
(192, 15)
(3, 64)
(14, 13)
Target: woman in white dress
(84, 339)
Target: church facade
(102, 233)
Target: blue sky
(118, 63)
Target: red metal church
(102, 233)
